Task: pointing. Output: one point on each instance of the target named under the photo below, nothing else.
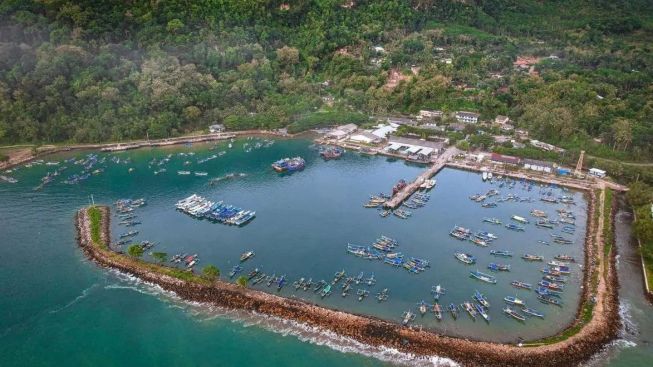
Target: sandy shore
(373, 331)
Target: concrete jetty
(397, 199)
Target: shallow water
(59, 307)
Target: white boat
(183, 173)
(519, 219)
(201, 173)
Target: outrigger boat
(514, 314)
(480, 298)
(491, 220)
(498, 267)
(437, 310)
(362, 293)
(338, 276)
(383, 295)
(235, 270)
(467, 306)
(532, 312)
(453, 309)
(246, 256)
(437, 291)
(552, 278)
(407, 317)
(548, 299)
(326, 291)
(422, 307)
(281, 282)
(518, 284)
(482, 312)
(371, 280)
(321, 284)
(256, 272)
(519, 219)
(483, 277)
(514, 301)
(551, 286)
(515, 227)
(129, 234)
(565, 258)
(529, 257)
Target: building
(501, 120)
(505, 159)
(597, 172)
(539, 166)
(365, 137)
(341, 132)
(456, 127)
(428, 114)
(467, 117)
(401, 121)
(546, 146)
(416, 149)
(382, 130)
(216, 128)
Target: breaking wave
(84, 294)
(203, 312)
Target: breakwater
(590, 339)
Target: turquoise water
(59, 307)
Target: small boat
(514, 300)
(479, 242)
(326, 291)
(129, 234)
(246, 256)
(529, 257)
(407, 317)
(362, 293)
(565, 258)
(514, 314)
(383, 295)
(491, 220)
(519, 219)
(532, 312)
(543, 224)
(482, 312)
(371, 280)
(515, 227)
(465, 258)
(548, 299)
(235, 270)
(319, 286)
(489, 205)
(437, 291)
(359, 278)
(498, 267)
(503, 253)
(338, 276)
(422, 307)
(453, 309)
(483, 277)
(518, 284)
(437, 310)
(281, 282)
(183, 173)
(467, 306)
(201, 174)
(480, 298)
(256, 272)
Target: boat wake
(84, 294)
(204, 312)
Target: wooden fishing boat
(529, 257)
(503, 253)
(453, 309)
(465, 258)
(422, 307)
(518, 284)
(246, 256)
(483, 277)
(437, 310)
(514, 301)
(514, 314)
(482, 312)
(480, 298)
(407, 317)
(467, 306)
(532, 312)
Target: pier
(403, 194)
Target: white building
(467, 117)
(597, 172)
(365, 138)
(428, 114)
(382, 131)
(341, 132)
(217, 128)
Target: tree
(135, 251)
(622, 133)
(242, 281)
(288, 55)
(210, 272)
(160, 256)
(174, 25)
(639, 194)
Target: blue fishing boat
(483, 277)
(235, 270)
(498, 267)
(503, 253)
(480, 298)
(532, 312)
(465, 258)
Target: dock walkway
(397, 199)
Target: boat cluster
(384, 249)
(289, 164)
(330, 152)
(199, 207)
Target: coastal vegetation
(640, 198)
(135, 250)
(242, 281)
(86, 71)
(210, 272)
(95, 220)
(160, 257)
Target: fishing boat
(502, 253)
(532, 312)
(437, 291)
(529, 257)
(289, 164)
(407, 317)
(556, 279)
(359, 278)
(515, 227)
(491, 220)
(480, 298)
(453, 309)
(183, 173)
(246, 256)
(321, 284)
(489, 205)
(437, 311)
(551, 286)
(483, 277)
(256, 272)
(129, 234)
(422, 307)
(235, 270)
(465, 258)
(514, 314)
(565, 258)
(498, 267)
(482, 312)
(538, 213)
(548, 300)
(544, 224)
(326, 291)
(338, 276)
(479, 242)
(281, 282)
(467, 306)
(201, 174)
(383, 295)
(514, 301)
(519, 219)
(329, 153)
(523, 285)
(371, 280)
(384, 213)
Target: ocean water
(59, 308)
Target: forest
(94, 71)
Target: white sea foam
(84, 294)
(203, 312)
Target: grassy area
(607, 227)
(95, 215)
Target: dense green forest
(91, 70)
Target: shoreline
(579, 347)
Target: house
(401, 121)
(467, 117)
(546, 146)
(500, 139)
(341, 132)
(432, 126)
(414, 146)
(429, 114)
(521, 134)
(382, 130)
(216, 128)
(505, 159)
(365, 137)
(597, 172)
(501, 120)
(539, 166)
